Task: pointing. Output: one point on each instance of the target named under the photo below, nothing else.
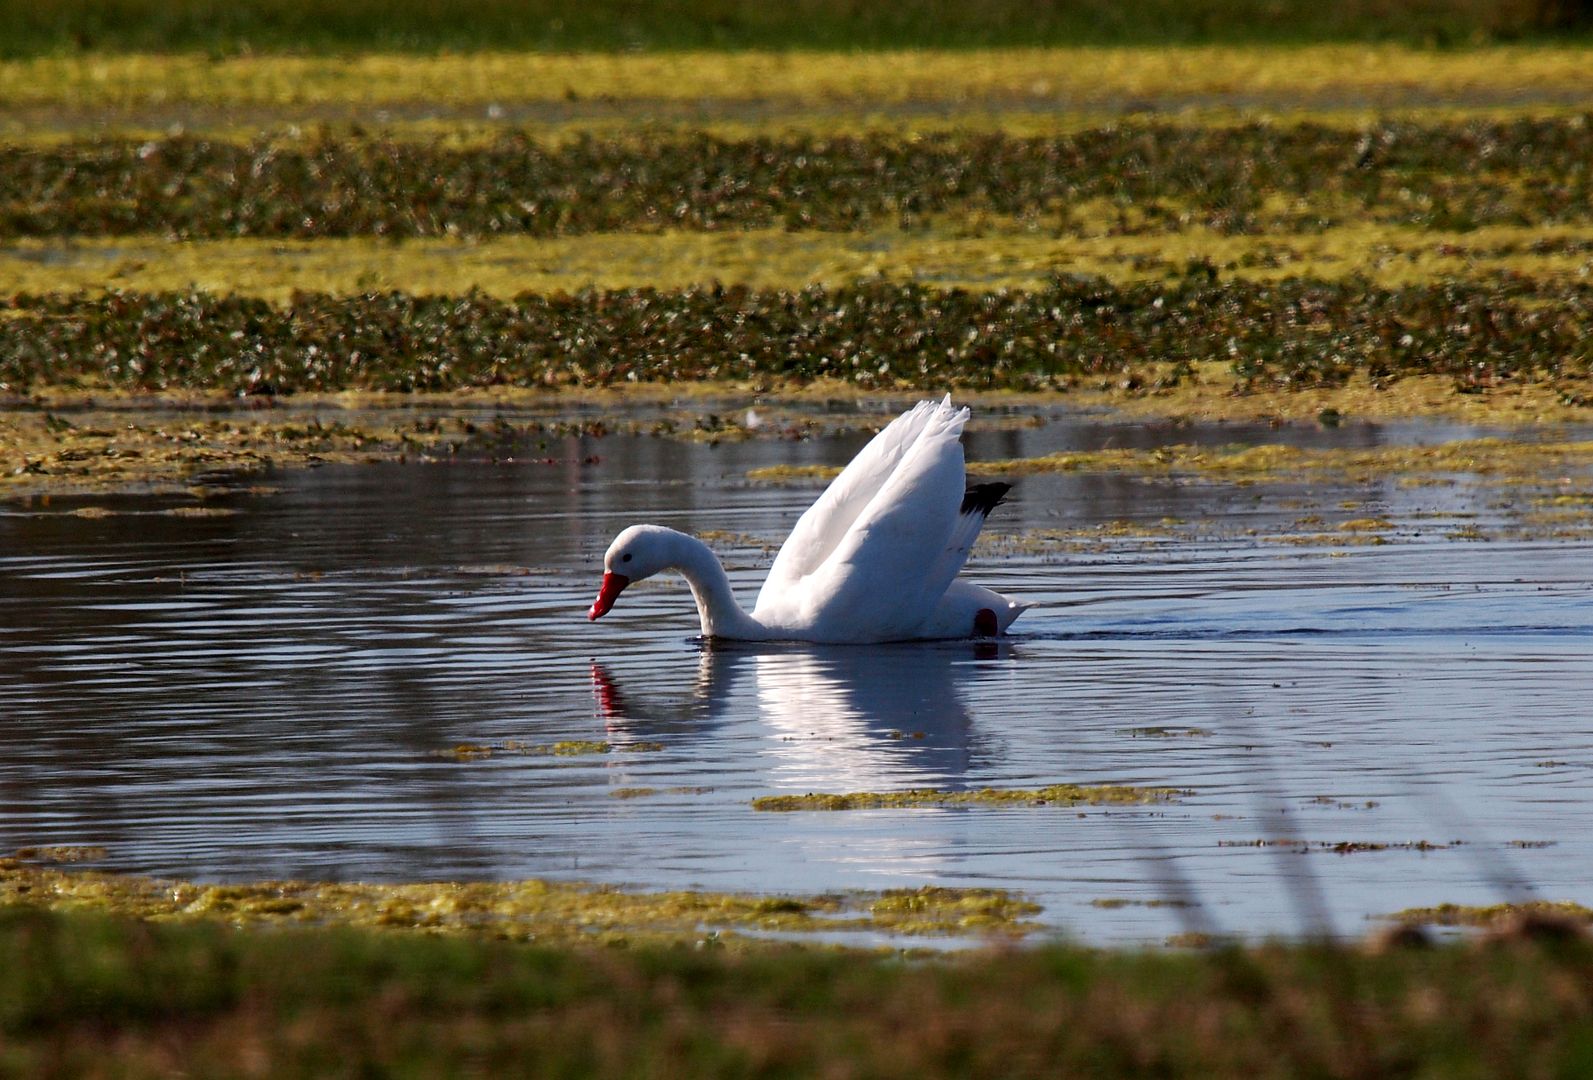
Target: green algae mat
(550, 913)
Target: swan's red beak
(613, 585)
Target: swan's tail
(980, 499)
(977, 502)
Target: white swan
(875, 559)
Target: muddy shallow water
(279, 690)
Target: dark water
(276, 692)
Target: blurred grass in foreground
(219, 25)
(86, 991)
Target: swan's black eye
(625, 557)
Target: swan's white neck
(717, 607)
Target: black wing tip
(983, 498)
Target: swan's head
(639, 552)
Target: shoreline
(60, 442)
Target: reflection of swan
(837, 718)
(846, 720)
(876, 558)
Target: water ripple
(281, 692)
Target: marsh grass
(1157, 178)
(976, 253)
(612, 25)
(208, 1000)
(1288, 334)
(1131, 79)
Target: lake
(348, 677)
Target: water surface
(278, 691)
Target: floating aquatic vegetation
(928, 910)
(1503, 460)
(1139, 337)
(1112, 903)
(207, 455)
(59, 853)
(1492, 914)
(1118, 78)
(102, 450)
(1054, 795)
(1341, 847)
(1341, 804)
(532, 910)
(566, 748)
(980, 253)
(1158, 177)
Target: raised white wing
(823, 525)
(885, 576)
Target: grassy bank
(207, 1000)
(612, 25)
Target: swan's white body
(875, 559)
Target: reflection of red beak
(613, 585)
(610, 705)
